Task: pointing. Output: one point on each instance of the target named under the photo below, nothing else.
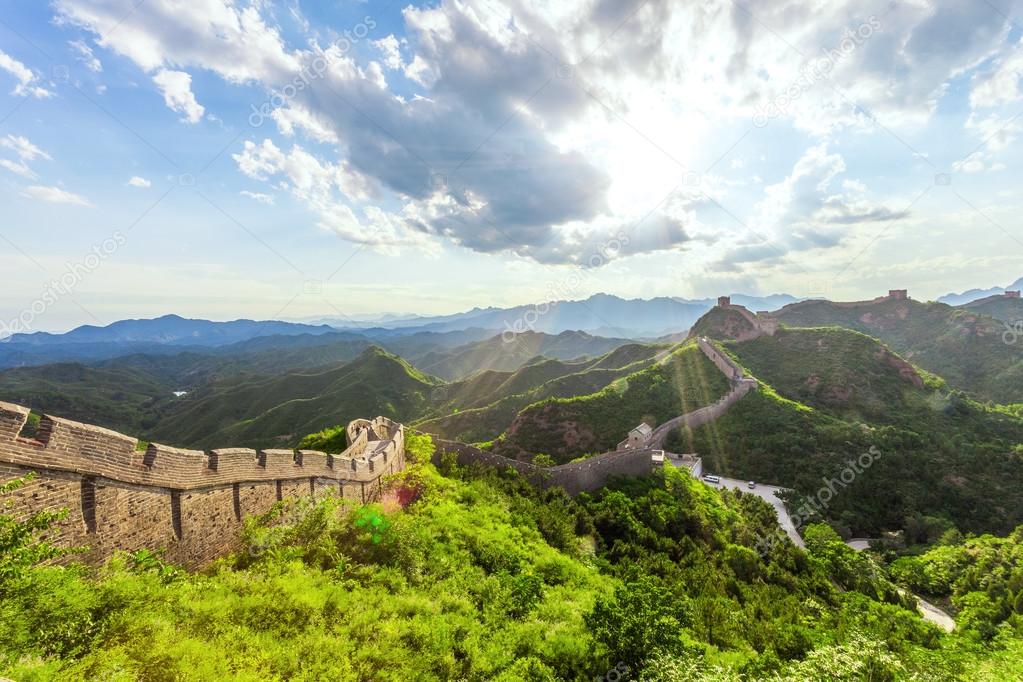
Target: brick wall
(187, 502)
(575, 477)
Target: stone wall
(575, 477)
(189, 503)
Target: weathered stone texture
(187, 502)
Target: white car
(751, 485)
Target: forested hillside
(964, 347)
(474, 575)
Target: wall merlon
(105, 448)
(12, 420)
(316, 461)
(238, 462)
(282, 462)
(175, 461)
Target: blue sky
(254, 159)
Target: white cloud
(258, 196)
(176, 87)
(477, 138)
(391, 51)
(85, 55)
(1001, 84)
(21, 146)
(218, 35)
(19, 168)
(25, 151)
(137, 181)
(27, 81)
(54, 195)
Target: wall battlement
(189, 502)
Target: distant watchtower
(724, 301)
(1012, 294)
(898, 294)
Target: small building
(637, 437)
(1012, 294)
(724, 301)
(898, 294)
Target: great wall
(187, 502)
(633, 456)
(191, 504)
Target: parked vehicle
(711, 478)
(751, 485)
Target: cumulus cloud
(137, 181)
(176, 87)
(486, 126)
(54, 195)
(390, 48)
(28, 82)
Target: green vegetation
(484, 577)
(722, 323)
(275, 411)
(981, 578)
(962, 346)
(1008, 310)
(568, 427)
(256, 394)
(492, 400)
(829, 396)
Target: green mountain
(831, 396)
(568, 427)
(482, 407)
(1008, 310)
(963, 347)
(723, 323)
(116, 397)
(277, 411)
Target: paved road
(928, 610)
(859, 544)
(766, 493)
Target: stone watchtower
(898, 294)
(724, 301)
(1012, 294)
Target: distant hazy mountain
(600, 314)
(974, 294)
(170, 329)
(509, 352)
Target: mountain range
(600, 314)
(974, 294)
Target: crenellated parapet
(67, 445)
(190, 502)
